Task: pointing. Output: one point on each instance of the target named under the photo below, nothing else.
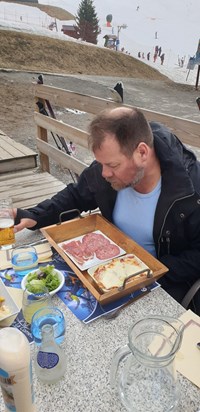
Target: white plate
(9, 303)
(94, 260)
(59, 274)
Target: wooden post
(44, 159)
(43, 135)
(197, 79)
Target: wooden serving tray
(80, 226)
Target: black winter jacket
(177, 217)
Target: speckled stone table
(89, 350)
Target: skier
(162, 58)
(155, 57)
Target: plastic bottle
(15, 371)
(50, 361)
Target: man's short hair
(128, 125)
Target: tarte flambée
(113, 273)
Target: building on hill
(70, 30)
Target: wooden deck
(19, 175)
(28, 188)
(15, 156)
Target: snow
(175, 23)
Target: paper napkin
(188, 357)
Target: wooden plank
(29, 189)
(60, 157)
(62, 129)
(186, 130)
(13, 148)
(14, 164)
(44, 160)
(73, 100)
(21, 173)
(37, 179)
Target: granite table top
(89, 349)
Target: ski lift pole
(197, 79)
(187, 74)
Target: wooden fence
(188, 131)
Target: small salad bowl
(50, 277)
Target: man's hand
(25, 223)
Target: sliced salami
(75, 248)
(94, 241)
(107, 252)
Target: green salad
(44, 276)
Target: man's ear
(142, 150)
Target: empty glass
(32, 302)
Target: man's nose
(107, 172)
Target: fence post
(44, 159)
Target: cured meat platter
(90, 249)
(65, 233)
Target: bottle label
(6, 382)
(47, 360)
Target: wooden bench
(15, 156)
(188, 131)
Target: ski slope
(174, 23)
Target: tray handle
(67, 212)
(149, 275)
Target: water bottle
(50, 361)
(15, 371)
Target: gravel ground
(16, 115)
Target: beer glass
(7, 236)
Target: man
(147, 183)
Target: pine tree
(87, 22)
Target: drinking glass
(24, 259)
(32, 302)
(48, 316)
(7, 236)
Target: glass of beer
(7, 236)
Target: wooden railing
(188, 131)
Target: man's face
(118, 169)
